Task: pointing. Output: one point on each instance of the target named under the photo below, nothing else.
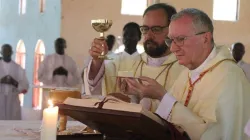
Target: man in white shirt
(238, 51)
(131, 36)
(210, 99)
(110, 40)
(13, 81)
(58, 69)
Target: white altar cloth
(25, 130)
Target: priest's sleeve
(181, 116)
(95, 85)
(150, 104)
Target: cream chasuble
(217, 109)
(166, 74)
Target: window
(22, 7)
(226, 10)
(42, 6)
(139, 47)
(133, 7)
(37, 92)
(121, 47)
(20, 59)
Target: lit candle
(49, 124)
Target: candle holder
(59, 96)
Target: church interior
(31, 27)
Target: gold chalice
(101, 26)
(58, 96)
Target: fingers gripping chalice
(101, 26)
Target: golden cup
(58, 96)
(101, 26)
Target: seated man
(209, 100)
(13, 81)
(157, 61)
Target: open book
(117, 119)
(112, 104)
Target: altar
(30, 130)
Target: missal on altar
(117, 119)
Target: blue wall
(30, 27)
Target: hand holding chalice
(101, 26)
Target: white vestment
(47, 67)
(9, 95)
(85, 65)
(53, 61)
(217, 106)
(246, 68)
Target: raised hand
(98, 47)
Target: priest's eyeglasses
(179, 40)
(154, 29)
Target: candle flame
(50, 103)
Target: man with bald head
(210, 99)
(13, 81)
(238, 51)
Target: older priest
(158, 62)
(209, 100)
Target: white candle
(49, 124)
